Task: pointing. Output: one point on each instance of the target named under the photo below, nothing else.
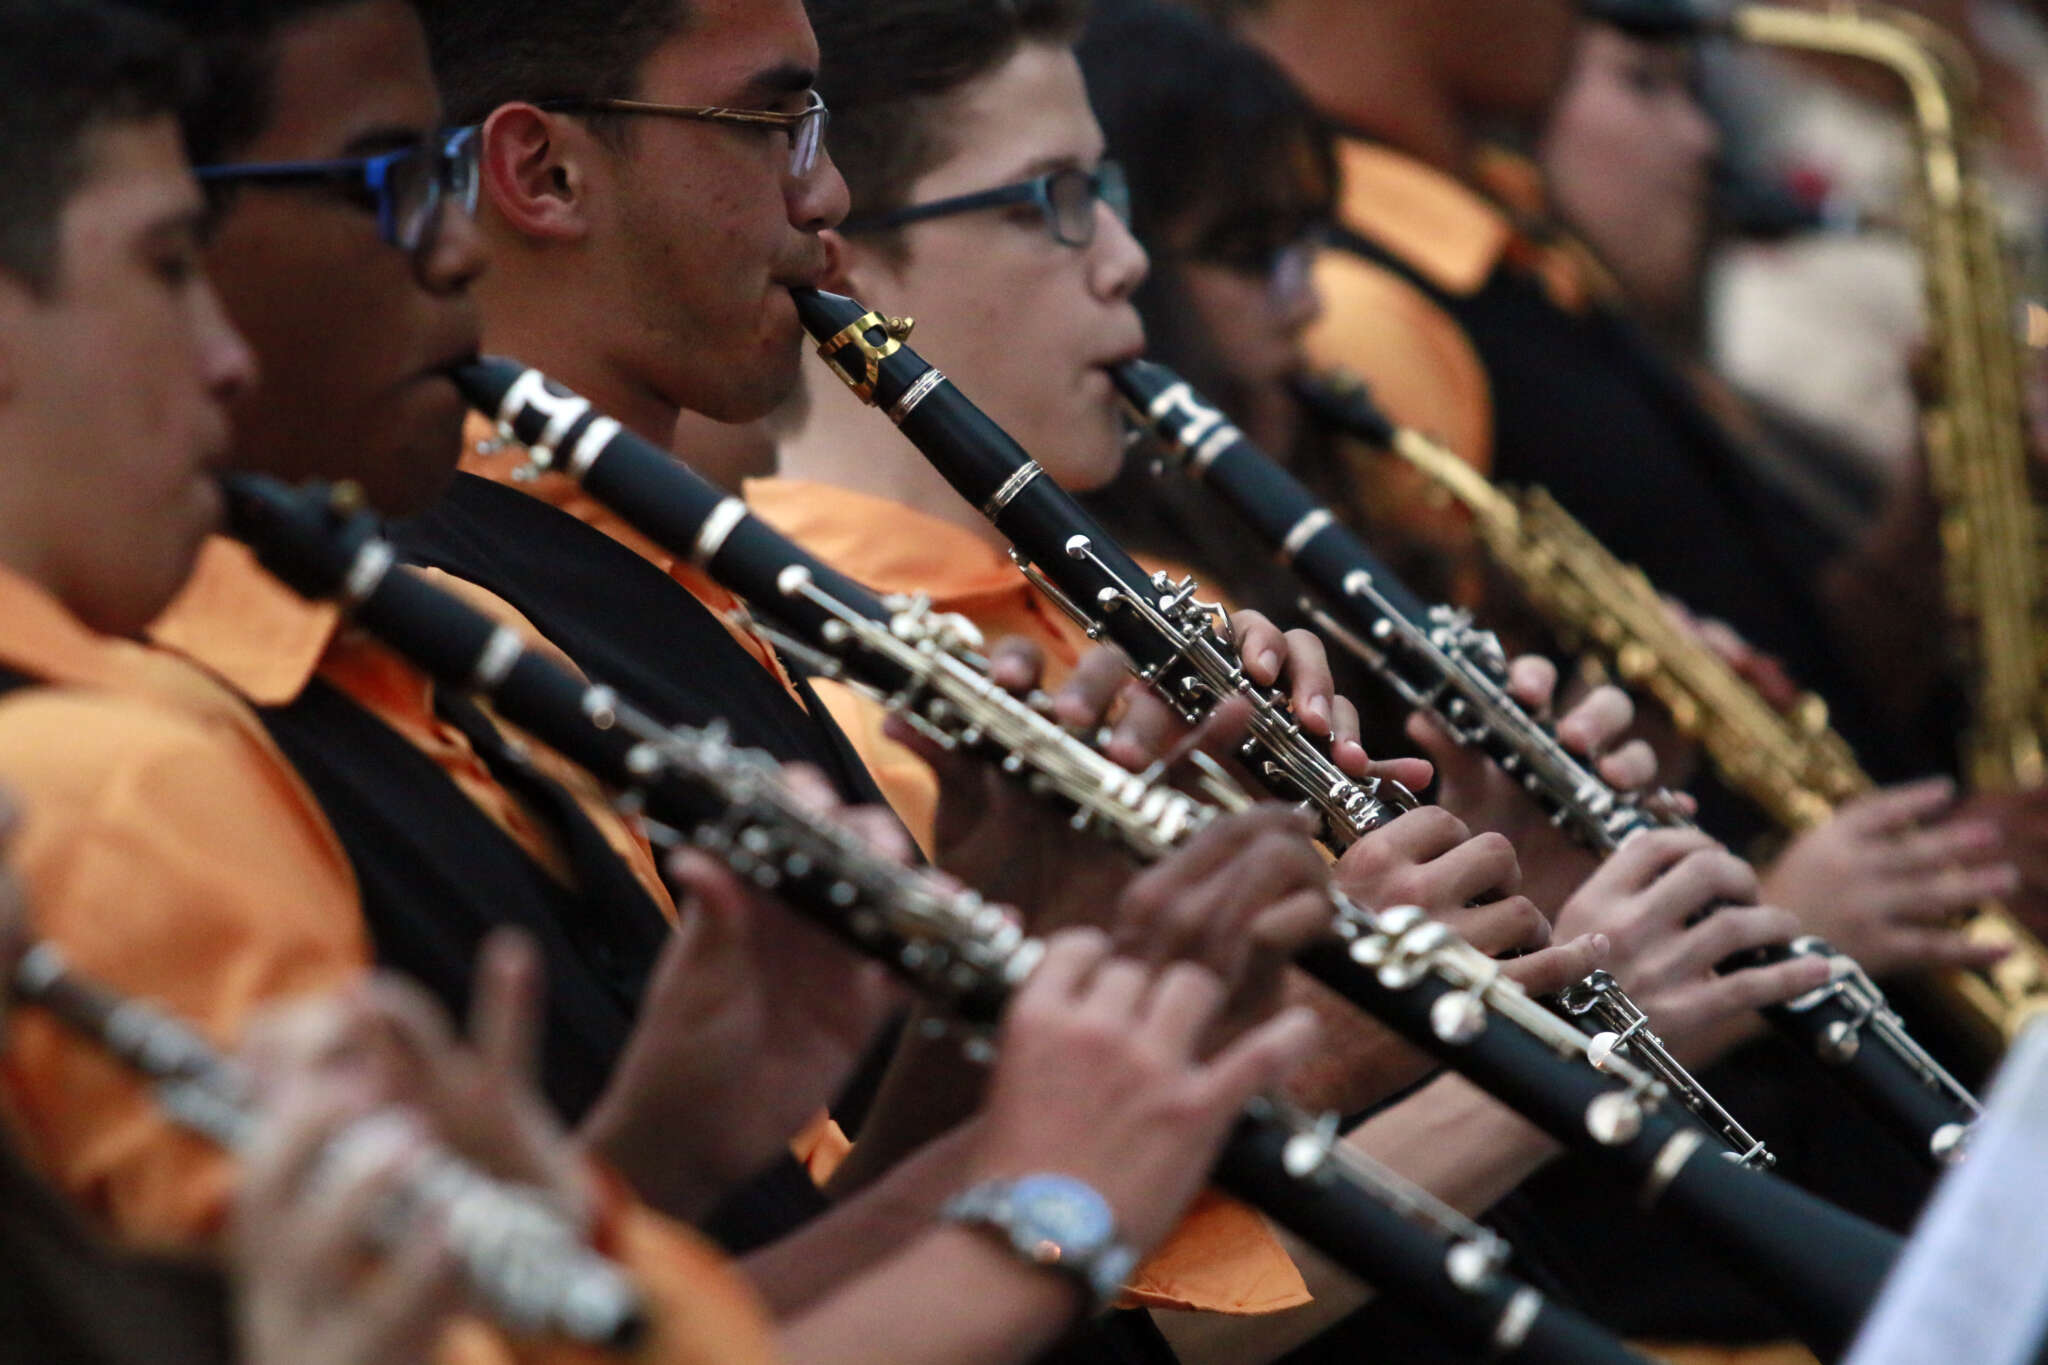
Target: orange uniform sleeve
(181, 862)
(1423, 369)
(907, 782)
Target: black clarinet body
(964, 954)
(1844, 1256)
(1847, 1024)
(1170, 637)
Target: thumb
(711, 908)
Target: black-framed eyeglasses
(408, 188)
(1285, 265)
(806, 130)
(1066, 197)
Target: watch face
(1061, 1216)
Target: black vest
(625, 623)
(437, 875)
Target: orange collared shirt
(268, 643)
(172, 852)
(1222, 1258)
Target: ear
(536, 172)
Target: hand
(297, 1245)
(381, 1061)
(1014, 847)
(1298, 657)
(1098, 1078)
(1761, 671)
(1477, 790)
(1643, 899)
(1242, 898)
(1427, 857)
(1885, 878)
(751, 1022)
(387, 1044)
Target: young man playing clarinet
(170, 848)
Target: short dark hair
(888, 63)
(67, 69)
(235, 42)
(492, 52)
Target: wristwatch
(1053, 1221)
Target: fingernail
(1269, 662)
(1318, 710)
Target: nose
(456, 257)
(227, 364)
(1117, 262)
(819, 200)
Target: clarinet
(1438, 661)
(523, 1260)
(962, 953)
(1173, 640)
(983, 464)
(1410, 972)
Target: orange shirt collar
(251, 631)
(889, 547)
(1455, 234)
(41, 638)
(1448, 231)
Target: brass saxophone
(1792, 764)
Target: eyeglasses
(1287, 268)
(806, 130)
(1067, 198)
(407, 188)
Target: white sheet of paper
(1972, 1285)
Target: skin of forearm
(954, 1297)
(929, 1089)
(1451, 1139)
(1357, 1062)
(802, 1270)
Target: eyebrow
(787, 78)
(1046, 165)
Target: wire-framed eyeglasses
(407, 189)
(1066, 197)
(806, 130)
